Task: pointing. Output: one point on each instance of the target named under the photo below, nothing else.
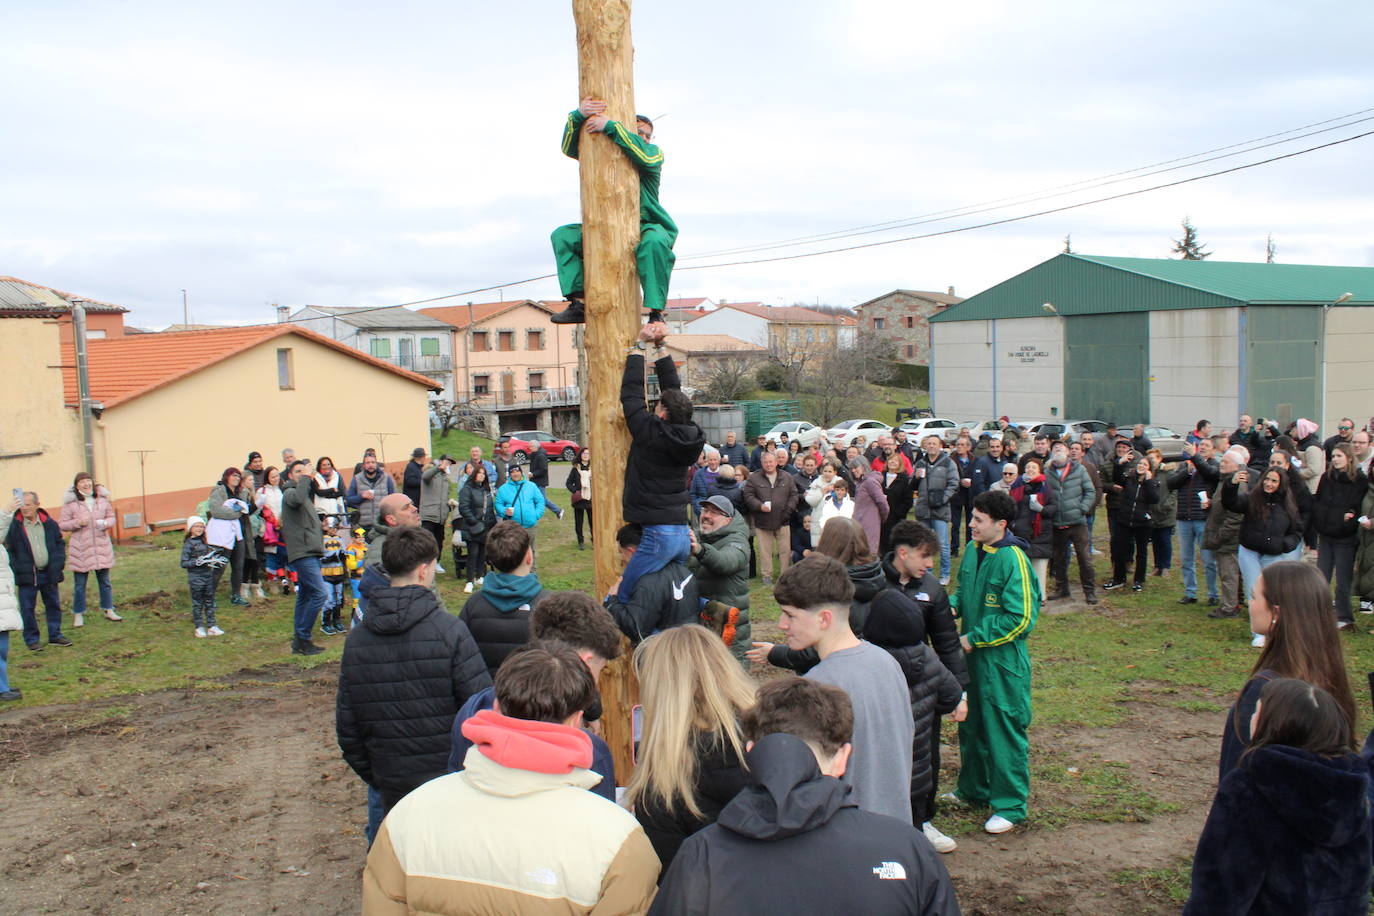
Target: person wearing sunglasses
(1345, 431)
(1010, 470)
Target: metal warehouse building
(1160, 341)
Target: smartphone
(637, 728)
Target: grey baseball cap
(722, 504)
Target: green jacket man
(654, 256)
(720, 559)
(998, 599)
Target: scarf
(1019, 491)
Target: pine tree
(1269, 249)
(1188, 246)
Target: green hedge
(909, 376)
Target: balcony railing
(425, 365)
(530, 398)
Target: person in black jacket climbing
(793, 840)
(404, 675)
(1289, 831)
(664, 444)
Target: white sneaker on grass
(467, 589)
(215, 631)
(200, 633)
(1258, 641)
(998, 824)
(439, 568)
(1367, 607)
(937, 839)
(78, 620)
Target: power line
(983, 225)
(1014, 219)
(1050, 193)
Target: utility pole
(185, 312)
(143, 454)
(83, 380)
(610, 234)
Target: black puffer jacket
(662, 599)
(1193, 477)
(868, 581)
(1136, 501)
(720, 776)
(498, 617)
(938, 629)
(1337, 495)
(1275, 532)
(793, 841)
(896, 624)
(404, 675)
(660, 453)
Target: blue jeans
(941, 530)
(102, 580)
(1189, 541)
(548, 503)
(1252, 563)
(376, 812)
(4, 661)
(659, 546)
(52, 608)
(310, 599)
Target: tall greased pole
(610, 234)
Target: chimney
(283, 312)
(951, 291)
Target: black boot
(305, 647)
(656, 315)
(575, 313)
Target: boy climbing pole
(654, 255)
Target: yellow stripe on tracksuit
(633, 148)
(1027, 608)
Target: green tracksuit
(998, 599)
(657, 231)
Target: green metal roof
(1087, 285)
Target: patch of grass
(1171, 883)
(457, 443)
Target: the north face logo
(890, 871)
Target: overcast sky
(356, 154)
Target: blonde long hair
(690, 685)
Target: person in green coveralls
(657, 231)
(998, 598)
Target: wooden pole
(610, 234)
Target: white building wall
(1349, 387)
(726, 320)
(1030, 368)
(961, 370)
(1195, 368)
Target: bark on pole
(610, 234)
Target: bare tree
(728, 377)
(833, 386)
(567, 425)
(873, 358)
(1270, 249)
(793, 356)
(1068, 244)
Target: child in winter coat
(1289, 831)
(277, 569)
(203, 564)
(335, 573)
(354, 559)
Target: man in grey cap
(720, 559)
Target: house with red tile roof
(172, 410)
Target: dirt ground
(237, 802)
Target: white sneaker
(200, 633)
(1258, 641)
(1367, 607)
(467, 589)
(480, 580)
(944, 580)
(439, 568)
(998, 824)
(78, 620)
(1343, 624)
(937, 839)
(215, 631)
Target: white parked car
(844, 434)
(918, 429)
(797, 430)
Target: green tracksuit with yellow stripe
(998, 598)
(657, 231)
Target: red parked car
(523, 442)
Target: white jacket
(9, 596)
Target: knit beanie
(193, 521)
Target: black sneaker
(15, 694)
(36, 647)
(1186, 600)
(61, 641)
(305, 647)
(1213, 602)
(575, 313)
(1138, 586)
(1113, 584)
(1090, 599)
